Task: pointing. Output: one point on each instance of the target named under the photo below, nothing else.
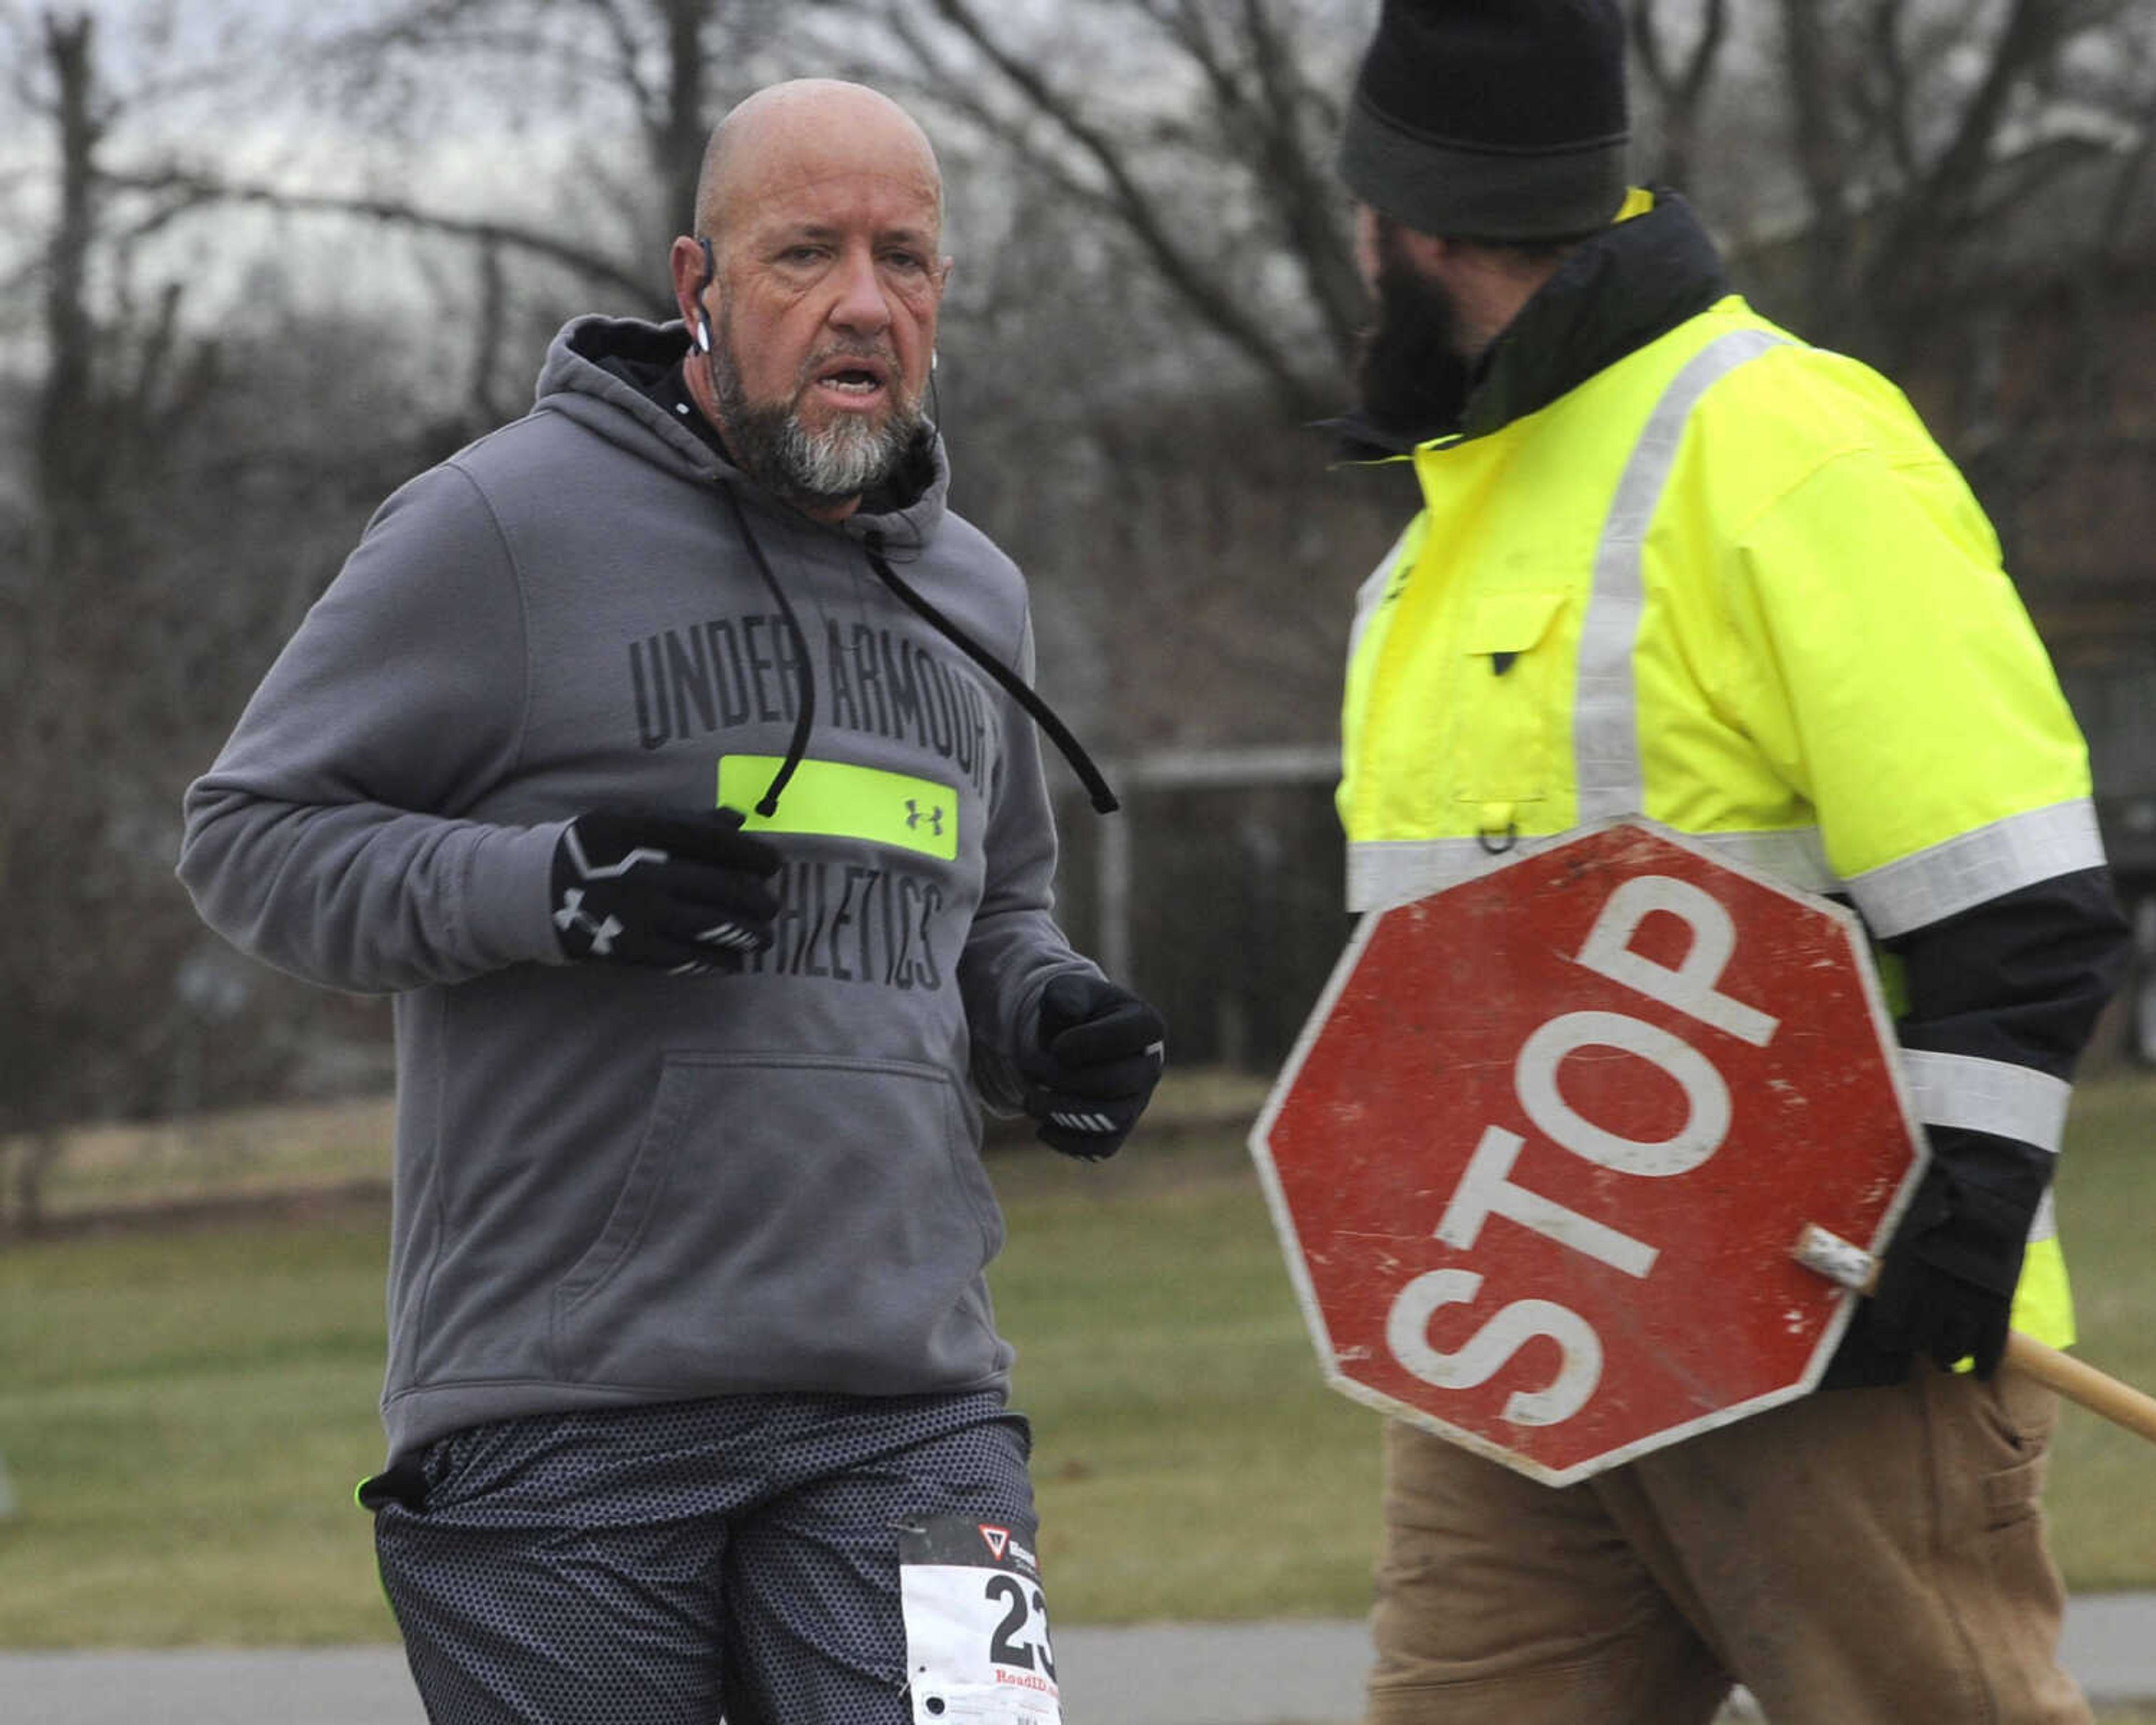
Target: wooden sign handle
(1835, 1258)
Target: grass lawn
(1188, 1461)
(2102, 1497)
(184, 1416)
(183, 1413)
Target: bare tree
(1910, 127)
(655, 71)
(1202, 134)
(169, 526)
(1680, 80)
(99, 410)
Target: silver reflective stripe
(1796, 858)
(1988, 1097)
(1391, 871)
(1605, 729)
(1371, 593)
(2045, 1224)
(1973, 867)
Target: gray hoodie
(616, 1186)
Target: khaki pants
(1861, 1557)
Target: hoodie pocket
(789, 1223)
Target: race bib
(977, 1645)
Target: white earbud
(703, 333)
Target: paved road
(1292, 1673)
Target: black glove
(1098, 1054)
(1946, 1283)
(679, 892)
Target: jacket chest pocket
(1509, 705)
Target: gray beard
(810, 470)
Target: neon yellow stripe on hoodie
(840, 801)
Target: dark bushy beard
(812, 470)
(1415, 383)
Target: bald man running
(670, 755)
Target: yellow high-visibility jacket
(1728, 582)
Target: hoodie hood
(613, 361)
(600, 372)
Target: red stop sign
(1541, 1152)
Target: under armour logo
(573, 915)
(589, 870)
(915, 816)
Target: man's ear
(1427, 252)
(1376, 238)
(684, 262)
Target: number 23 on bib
(977, 1646)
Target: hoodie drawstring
(804, 716)
(1043, 715)
(805, 680)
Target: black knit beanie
(1491, 119)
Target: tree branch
(1647, 43)
(2032, 33)
(1822, 162)
(1306, 202)
(1893, 68)
(642, 97)
(2126, 190)
(1946, 200)
(953, 93)
(1681, 88)
(1141, 214)
(1714, 31)
(200, 190)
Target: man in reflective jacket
(1673, 562)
